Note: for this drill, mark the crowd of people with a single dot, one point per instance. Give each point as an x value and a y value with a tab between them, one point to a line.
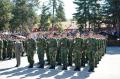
62	49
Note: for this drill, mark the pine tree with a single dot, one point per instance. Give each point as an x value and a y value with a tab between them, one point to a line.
112	12
54	4
44	17
60	14
87	12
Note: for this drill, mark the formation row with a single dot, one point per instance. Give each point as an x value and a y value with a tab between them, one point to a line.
62	50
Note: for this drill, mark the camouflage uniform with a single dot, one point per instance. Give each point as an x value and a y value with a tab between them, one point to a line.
1	48
91	54
25	47
24	50
31	47
13	50
58	58
100	49
64	43
10	48
47	54
4	49
96	52
70	52
105	45
52	48
41	47
77	52
84	58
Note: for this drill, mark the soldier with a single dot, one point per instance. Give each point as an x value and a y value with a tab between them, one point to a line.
84	50
100	49
97	52
84	57
77	52
70	51
58	51
64	43
41	47
18	50
91	53
31	47
4	49
52	45
47	50
105	45
10	48
1	48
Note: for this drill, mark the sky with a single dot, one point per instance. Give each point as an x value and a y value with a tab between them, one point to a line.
69	8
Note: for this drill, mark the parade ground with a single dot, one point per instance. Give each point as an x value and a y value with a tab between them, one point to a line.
108	68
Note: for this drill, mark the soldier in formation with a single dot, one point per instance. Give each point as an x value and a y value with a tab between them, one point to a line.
41	47
60	49
30	50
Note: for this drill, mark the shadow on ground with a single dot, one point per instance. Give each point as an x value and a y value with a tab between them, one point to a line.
24	72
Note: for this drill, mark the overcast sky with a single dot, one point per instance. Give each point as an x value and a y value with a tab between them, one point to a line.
69	8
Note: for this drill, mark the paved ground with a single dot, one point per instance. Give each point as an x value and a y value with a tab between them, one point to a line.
109	68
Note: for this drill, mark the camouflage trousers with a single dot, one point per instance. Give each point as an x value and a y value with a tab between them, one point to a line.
64	57
41	52
91	60
77	57
52	55
1	54
30	55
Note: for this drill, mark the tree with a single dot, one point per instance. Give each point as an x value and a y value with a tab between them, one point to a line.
112	11
54	4
24	14
44	17
60	14
5	13
82	13
87	12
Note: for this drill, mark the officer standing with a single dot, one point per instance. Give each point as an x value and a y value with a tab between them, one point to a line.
18	50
